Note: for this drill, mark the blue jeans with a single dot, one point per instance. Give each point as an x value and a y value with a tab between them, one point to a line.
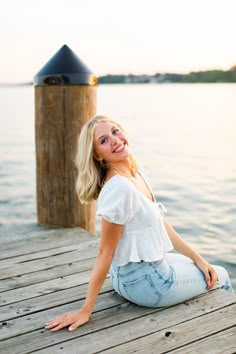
163	283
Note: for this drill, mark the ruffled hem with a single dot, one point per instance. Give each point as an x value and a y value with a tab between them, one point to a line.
147	245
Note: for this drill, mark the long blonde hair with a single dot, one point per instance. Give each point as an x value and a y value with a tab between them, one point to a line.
91	173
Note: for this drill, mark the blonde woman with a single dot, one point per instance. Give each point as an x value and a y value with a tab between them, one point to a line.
136	240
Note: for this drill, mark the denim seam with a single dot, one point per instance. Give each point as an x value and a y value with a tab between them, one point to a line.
188	281
118	280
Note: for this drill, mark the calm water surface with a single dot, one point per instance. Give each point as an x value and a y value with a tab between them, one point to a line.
185	136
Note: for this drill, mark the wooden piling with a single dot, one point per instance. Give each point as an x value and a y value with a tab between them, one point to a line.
65	98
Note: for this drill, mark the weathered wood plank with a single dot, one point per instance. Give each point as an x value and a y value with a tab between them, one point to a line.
49	262
13	261
180	334
13	328
100	320
129	321
47	274
223	342
44	239
47	301
11	296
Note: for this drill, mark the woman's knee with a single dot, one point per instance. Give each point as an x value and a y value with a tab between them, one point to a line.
223	278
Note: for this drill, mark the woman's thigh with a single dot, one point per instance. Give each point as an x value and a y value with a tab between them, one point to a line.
189	281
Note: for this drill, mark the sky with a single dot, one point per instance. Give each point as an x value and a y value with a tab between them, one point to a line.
117	37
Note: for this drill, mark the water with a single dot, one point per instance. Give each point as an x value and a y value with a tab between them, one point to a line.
185	136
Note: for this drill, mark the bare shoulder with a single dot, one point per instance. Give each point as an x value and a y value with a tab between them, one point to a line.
117	181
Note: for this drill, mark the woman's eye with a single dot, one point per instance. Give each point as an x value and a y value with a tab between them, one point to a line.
115	131
103	140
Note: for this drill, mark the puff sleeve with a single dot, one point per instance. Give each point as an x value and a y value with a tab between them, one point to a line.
116	201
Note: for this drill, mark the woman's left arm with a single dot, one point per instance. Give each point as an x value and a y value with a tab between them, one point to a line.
182	247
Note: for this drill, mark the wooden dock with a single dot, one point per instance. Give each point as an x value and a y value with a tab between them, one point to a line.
46	275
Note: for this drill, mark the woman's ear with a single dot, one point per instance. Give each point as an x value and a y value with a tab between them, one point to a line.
99	159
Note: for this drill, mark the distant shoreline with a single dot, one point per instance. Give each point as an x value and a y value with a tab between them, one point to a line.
16	84
209	76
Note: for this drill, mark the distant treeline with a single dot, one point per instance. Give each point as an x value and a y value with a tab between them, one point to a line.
209	76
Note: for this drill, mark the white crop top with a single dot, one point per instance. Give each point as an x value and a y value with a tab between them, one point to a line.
144	237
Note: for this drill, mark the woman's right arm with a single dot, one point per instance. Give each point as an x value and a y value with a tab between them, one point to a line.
182	247
110	235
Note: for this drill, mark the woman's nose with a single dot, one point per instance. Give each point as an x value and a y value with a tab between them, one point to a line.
114	140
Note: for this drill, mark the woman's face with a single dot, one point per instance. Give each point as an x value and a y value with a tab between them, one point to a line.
110	143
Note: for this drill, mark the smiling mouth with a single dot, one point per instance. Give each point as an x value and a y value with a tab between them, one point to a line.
119	148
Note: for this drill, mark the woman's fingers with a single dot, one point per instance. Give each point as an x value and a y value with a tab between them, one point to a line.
209	272
74	320
213	278
57	328
76	325
57	323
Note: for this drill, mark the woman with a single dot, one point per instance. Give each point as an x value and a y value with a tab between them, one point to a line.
135	236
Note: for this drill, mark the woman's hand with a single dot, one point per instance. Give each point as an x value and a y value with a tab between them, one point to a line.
182	247
73	320
209	272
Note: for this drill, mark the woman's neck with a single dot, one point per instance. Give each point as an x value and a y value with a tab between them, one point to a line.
122	169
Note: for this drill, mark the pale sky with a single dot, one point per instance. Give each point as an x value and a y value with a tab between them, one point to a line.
124	36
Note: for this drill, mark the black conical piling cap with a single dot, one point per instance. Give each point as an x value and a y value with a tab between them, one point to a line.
65	68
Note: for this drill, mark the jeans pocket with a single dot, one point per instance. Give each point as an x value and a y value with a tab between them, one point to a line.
142	291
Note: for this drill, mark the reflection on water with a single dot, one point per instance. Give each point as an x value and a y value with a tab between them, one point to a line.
183	134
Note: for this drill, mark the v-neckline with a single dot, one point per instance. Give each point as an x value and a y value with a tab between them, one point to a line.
153	201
